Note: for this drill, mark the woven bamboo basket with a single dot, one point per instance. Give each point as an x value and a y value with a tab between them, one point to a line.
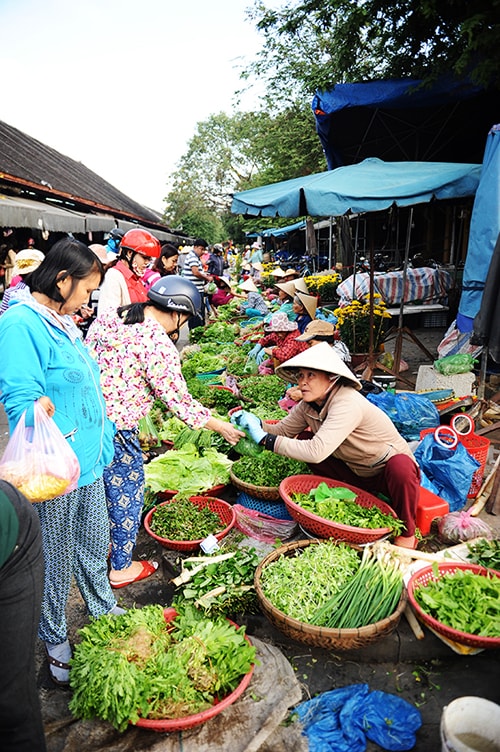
340	639
266	493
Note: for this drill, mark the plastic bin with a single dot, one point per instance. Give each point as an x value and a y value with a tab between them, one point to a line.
429	507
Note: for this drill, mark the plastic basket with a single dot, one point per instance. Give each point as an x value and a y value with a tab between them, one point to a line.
178	724
423	576
168	493
327	528
222	509
275	509
478	447
339	639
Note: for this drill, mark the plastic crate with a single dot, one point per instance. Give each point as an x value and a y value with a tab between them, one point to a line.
275	509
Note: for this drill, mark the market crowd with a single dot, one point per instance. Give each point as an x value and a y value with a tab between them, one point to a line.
89	333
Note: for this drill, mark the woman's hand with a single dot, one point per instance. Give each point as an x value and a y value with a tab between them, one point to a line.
47	405
294	393
228	432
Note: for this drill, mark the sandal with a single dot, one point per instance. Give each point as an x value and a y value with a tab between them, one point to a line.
147	569
57	664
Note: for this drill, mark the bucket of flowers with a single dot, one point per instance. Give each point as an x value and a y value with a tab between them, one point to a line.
324	285
353	324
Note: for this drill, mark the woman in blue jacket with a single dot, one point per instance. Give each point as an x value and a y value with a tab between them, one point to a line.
44	359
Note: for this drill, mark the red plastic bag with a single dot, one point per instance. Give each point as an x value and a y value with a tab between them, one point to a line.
38	460
262	526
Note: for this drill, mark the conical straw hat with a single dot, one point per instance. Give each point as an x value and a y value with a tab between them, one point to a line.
320	357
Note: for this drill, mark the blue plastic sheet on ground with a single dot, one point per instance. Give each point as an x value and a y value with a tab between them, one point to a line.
446	472
410	412
342	720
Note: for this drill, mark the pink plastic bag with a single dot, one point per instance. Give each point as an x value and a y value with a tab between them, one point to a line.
38	460
458	527
262	526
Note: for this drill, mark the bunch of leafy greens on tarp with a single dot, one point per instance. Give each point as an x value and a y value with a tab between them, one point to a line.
132	666
186	471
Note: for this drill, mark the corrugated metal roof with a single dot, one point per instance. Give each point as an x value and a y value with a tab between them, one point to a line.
40	166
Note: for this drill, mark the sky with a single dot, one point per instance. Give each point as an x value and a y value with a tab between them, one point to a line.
120	85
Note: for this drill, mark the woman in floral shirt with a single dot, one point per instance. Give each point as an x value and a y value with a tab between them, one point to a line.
140	363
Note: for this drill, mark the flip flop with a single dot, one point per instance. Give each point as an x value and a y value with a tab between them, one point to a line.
148	568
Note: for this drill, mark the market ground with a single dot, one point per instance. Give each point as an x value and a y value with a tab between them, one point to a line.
425	672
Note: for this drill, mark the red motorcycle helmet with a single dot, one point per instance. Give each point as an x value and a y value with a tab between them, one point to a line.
141	241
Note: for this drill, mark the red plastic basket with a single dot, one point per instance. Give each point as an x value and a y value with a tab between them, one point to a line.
222	509
427	574
189	721
327	528
478	447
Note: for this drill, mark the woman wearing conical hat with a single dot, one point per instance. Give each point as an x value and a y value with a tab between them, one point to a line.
352	440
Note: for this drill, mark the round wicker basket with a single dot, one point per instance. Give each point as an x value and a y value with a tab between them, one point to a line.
327	528
340	639
267	493
222	509
423	576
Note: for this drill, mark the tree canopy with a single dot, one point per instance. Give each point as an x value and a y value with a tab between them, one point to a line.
315	44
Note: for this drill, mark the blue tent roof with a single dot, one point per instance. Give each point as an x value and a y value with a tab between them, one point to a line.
372	185
278	231
403	120
484	230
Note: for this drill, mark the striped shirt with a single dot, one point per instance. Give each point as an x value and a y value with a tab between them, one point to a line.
193	260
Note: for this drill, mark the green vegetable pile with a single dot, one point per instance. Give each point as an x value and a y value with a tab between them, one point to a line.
221	400
180	519
486	553
268	469
463	600
218	332
131	666
262	390
201	362
184	470
370	595
221	584
338	505
299	584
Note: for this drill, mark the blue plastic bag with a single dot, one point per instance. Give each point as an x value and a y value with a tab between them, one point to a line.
446	472
343	719
410	412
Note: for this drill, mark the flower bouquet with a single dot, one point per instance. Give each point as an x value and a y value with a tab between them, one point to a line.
353	323
323	285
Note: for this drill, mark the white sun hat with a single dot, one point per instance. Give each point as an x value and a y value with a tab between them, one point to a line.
248	286
320	357
309	302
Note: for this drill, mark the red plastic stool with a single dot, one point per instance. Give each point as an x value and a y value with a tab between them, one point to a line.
429	507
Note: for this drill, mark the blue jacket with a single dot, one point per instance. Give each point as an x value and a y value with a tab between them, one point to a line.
42	357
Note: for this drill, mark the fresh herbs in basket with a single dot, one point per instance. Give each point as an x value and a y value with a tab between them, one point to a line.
486	553
222	584
299	584
338	505
267	470
463	600
136	666
180	519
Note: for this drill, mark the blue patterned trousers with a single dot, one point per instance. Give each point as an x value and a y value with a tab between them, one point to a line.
75	533
124	483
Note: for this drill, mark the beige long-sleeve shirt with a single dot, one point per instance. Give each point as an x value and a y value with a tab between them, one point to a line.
348	426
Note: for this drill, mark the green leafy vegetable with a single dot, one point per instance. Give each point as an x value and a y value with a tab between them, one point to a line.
132	666
463	600
486	553
268	469
180	519
299	584
185	471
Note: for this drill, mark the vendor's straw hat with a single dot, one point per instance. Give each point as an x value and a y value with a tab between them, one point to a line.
225	281
248	286
321	357
315	329
290	272
279	322
257	265
27	261
287	287
279	272
309	302
300	285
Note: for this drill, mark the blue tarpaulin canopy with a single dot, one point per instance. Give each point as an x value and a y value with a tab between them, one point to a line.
484	230
403	120
372	185
276	232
